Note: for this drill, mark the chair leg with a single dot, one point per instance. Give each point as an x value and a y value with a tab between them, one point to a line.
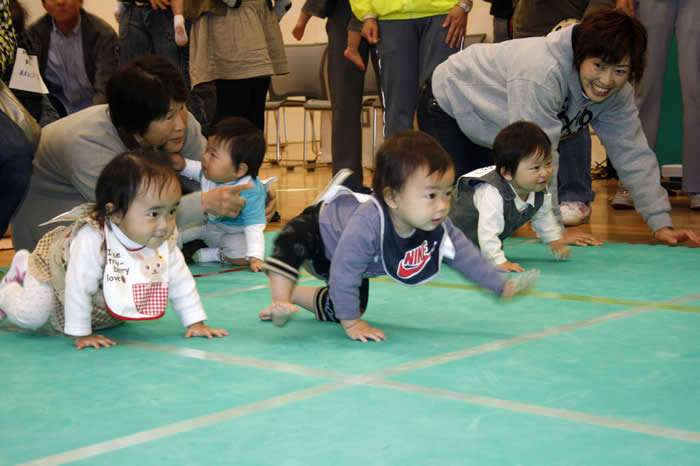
277	121
304	135
284	117
314	143
374	132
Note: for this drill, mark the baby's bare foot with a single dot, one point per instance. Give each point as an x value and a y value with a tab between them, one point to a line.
180	31
354	56
279	313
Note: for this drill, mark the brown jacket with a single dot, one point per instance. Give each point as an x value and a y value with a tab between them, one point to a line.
196	8
538	17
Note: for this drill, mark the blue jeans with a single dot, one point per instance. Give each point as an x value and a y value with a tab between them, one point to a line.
574	174
145	30
15	167
408	52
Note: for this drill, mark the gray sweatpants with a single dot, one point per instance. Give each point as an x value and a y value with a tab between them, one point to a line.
661	18
408	50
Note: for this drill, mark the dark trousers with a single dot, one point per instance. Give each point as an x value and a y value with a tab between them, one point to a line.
242	97
346	82
15	168
465	154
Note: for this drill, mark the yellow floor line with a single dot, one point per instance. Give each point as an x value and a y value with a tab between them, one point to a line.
569	297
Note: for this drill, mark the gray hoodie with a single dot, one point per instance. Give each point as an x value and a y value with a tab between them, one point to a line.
488	86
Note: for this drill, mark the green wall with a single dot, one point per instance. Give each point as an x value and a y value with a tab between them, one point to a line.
669	142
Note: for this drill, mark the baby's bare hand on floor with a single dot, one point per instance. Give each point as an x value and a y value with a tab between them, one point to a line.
361	330
256	265
94	340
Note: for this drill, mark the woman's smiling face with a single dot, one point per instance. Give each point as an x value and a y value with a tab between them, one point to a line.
601	80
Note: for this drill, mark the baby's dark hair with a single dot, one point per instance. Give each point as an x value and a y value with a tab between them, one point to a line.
517	141
404	153
247	142
126	175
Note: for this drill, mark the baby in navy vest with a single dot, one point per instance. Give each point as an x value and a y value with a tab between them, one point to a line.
401	231
493	202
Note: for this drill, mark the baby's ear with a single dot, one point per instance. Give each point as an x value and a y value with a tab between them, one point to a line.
242	169
389	197
506	174
114	217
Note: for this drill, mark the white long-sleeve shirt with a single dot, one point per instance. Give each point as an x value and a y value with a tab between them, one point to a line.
489	203
86	269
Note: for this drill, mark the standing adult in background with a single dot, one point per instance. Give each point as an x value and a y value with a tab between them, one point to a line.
39	105
571	78
148	27
146	108
15	150
238	45
412	39
345	82
502	12
8	41
662	18
534	18
77	51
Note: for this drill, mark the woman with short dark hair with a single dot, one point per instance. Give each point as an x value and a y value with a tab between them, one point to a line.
146	108
562	82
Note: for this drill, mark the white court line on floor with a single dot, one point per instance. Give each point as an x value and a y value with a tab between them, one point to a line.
183	426
538	410
377	379
250	288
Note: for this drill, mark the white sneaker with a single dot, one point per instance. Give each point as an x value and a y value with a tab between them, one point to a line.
622	199
207	255
694	201
574	213
342	175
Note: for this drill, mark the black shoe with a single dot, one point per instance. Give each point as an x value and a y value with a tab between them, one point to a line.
364	190
188	249
355	184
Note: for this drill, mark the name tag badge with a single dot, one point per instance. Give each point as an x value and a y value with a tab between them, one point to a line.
26	75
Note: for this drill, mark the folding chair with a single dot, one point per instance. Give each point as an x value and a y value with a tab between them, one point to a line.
305	81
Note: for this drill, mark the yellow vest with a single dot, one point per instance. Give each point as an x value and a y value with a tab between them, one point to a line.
401	9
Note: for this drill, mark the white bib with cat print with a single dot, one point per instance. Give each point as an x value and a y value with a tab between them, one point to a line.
135	281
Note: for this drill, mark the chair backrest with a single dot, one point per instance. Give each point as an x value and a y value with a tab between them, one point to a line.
305	78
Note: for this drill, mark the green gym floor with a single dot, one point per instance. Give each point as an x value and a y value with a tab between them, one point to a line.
600	365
